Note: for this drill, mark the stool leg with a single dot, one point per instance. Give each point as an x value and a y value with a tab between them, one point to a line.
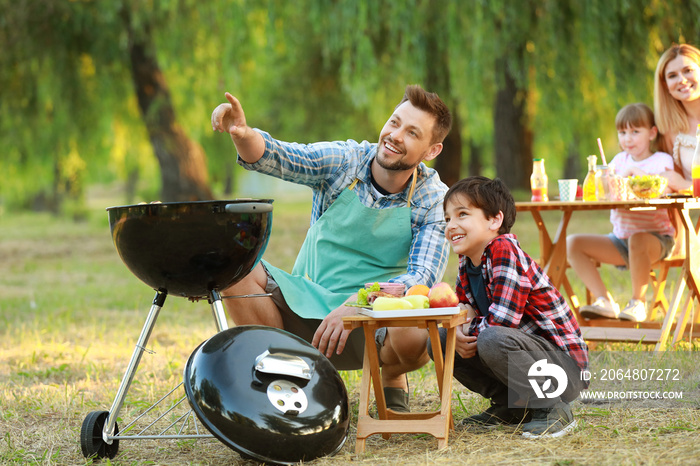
437	352
440	366
363	409
658	283
446	395
371	351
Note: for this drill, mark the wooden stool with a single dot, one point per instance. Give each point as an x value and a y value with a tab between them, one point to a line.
436	423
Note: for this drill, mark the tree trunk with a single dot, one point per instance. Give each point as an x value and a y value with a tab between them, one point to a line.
513	137
182	161
475	163
572	167
448	164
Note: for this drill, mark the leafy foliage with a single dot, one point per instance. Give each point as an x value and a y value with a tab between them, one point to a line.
310	70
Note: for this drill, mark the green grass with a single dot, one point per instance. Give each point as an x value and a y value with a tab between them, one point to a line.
70	313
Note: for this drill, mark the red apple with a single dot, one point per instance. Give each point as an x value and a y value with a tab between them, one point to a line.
441	295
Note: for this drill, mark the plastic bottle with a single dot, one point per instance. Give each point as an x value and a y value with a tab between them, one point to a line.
589	181
618	185
538	181
696	165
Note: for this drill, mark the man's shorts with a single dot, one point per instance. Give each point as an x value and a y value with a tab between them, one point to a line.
622	245
353	354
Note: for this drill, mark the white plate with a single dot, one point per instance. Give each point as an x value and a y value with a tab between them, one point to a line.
431	311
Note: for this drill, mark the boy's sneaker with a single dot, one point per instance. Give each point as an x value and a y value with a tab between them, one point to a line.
498	415
550	422
602	307
635	311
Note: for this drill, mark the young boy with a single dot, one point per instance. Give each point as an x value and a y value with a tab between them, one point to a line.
521	328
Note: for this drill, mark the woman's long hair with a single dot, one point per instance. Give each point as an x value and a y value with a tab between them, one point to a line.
670	114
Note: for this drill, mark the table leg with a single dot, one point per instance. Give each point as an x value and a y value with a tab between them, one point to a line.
555	268
573	299
683	319
689	276
692	253
545	240
553	257
673	306
553	253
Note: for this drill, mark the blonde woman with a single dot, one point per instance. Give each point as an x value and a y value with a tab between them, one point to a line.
677	109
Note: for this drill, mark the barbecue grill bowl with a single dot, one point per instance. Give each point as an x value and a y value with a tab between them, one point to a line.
268	394
191	248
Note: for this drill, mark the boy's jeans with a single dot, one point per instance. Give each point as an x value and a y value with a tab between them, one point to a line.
487	373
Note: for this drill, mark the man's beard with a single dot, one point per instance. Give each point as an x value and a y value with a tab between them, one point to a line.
398	165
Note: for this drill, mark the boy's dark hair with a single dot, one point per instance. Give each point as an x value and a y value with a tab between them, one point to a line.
491	196
431	103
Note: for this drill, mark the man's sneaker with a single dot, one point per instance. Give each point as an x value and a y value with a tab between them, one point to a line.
550	422
396	399
602	307
498	415
635	311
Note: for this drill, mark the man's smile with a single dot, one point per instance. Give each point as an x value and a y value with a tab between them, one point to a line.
391	147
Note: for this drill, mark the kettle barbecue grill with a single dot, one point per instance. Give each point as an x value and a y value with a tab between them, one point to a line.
188	249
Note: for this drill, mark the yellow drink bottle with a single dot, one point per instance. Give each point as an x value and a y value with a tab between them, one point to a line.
696	180
538	181
695	170
589	181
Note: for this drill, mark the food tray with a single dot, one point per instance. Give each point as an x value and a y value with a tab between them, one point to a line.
431	311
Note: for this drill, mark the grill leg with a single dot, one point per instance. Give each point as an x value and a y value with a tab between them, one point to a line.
158	302
217	308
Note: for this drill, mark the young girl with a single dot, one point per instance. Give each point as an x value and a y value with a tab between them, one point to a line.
639	238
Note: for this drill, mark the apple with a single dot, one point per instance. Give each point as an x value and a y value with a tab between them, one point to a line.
441	295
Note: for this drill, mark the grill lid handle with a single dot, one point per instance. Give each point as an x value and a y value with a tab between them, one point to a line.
248	208
282	364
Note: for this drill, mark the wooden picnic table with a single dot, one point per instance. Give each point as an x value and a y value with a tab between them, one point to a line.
553	260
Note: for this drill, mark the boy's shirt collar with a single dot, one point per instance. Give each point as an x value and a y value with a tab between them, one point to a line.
483	254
